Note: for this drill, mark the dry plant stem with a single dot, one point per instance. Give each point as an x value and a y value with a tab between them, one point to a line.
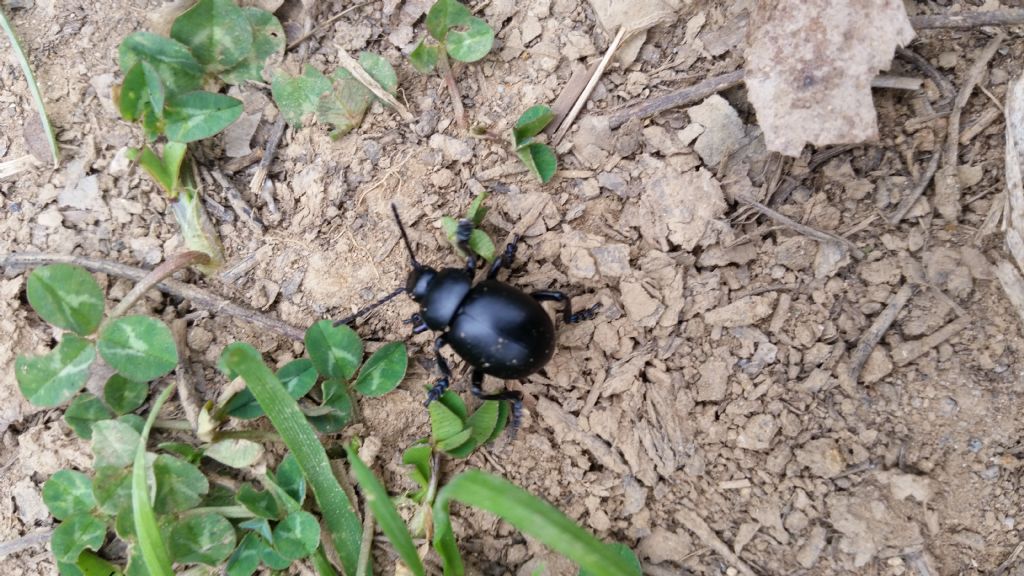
260	176
585	95
200	298
323	25
681	97
569	95
179	261
238	204
354	68
453	90
27	541
366	547
969	20
814	233
907	352
878	328
941	82
20	164
186	386
999	571
910	199
698	526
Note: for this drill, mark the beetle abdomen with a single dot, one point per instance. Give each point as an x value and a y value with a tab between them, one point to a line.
502	331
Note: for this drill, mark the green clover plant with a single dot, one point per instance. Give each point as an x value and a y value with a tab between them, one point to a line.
455	32
479	241
538	157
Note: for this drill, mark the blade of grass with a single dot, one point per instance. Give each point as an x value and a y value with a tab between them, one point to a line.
154	550
32	86
529	514
338	512
384	510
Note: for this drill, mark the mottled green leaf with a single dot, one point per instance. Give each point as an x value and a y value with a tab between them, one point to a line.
113	443
246	558
178	68
336	351
445	14
424	57
260	503
76	534
267	40
540	159
124	395
297	536
84	411
52	379
179	485
298	96
383	371
298	377
482	423
113	488
66	296
206	538
68	493
196	115
140	348
217	32
235	452
531	123
471	44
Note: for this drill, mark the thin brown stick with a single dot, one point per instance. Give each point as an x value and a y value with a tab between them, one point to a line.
910	199
238	204
878	328
819	235
176	262
1011	17
199	297
698	526
323	25
186	384
453	91
680	97
563	128
941	82
29	540
356	69
947	184
260	176
907	352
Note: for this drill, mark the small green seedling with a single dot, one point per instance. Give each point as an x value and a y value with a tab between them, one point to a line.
335	356
213	43
456	33
479	241
340	100
537	156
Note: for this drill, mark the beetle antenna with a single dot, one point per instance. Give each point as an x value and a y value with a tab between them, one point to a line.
365	309
408	245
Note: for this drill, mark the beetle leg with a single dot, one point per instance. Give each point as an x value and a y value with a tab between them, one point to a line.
442	384
462	233
418	325
513	396
505	260
568	316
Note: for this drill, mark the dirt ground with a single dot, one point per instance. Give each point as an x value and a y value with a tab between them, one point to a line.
704	405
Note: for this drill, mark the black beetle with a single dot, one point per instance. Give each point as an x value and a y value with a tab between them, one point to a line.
497	328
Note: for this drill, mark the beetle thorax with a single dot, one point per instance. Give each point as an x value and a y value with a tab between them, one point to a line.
443	295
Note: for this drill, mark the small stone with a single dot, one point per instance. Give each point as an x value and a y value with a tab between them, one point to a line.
743	312
662	140
948	59
723	129
714	381
640	306
690	133
612	259
878	366
821	457
796	253
758	432
612	181
664	546
812	548
452	148
970	175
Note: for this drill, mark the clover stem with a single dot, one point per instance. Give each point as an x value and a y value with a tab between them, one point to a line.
453	89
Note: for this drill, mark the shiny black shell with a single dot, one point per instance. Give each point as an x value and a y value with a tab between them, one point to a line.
502	331
448	288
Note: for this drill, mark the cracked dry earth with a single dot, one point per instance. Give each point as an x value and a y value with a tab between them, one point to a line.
704	416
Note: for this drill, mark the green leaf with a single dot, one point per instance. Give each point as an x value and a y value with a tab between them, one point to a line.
154	166
154	88
298	96
235	452
297	536
85	410
150	540
89	564
445	14
477	211
336	351
623	552
206	538
196	115
112	488
52	379
503	412
267	40
540	159
342	522
454	402
482	423
113	443
298	377
336	410
179	485
66	296
217	32
345	106
443	422
260	503
273	559
481	243
76	534
140	348
424	57
246	558
174	157
453	442
530	515
187	452
418	456
383	371
380	70
391	524
289	478
132	94
124	395
531	123
178	69
472	44
68	493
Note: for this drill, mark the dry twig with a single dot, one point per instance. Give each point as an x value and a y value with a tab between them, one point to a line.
814	233
186	385
681	97
176	262
698	526
907	352
199	297
968	20
238	204
27	541
354	68
594	79
453	91
260	176
878	328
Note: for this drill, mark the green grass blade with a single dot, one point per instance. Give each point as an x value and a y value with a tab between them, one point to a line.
385	513
530	515
295	431
32	86
154	549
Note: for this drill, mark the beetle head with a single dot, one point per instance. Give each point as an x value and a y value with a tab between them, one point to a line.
419	282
